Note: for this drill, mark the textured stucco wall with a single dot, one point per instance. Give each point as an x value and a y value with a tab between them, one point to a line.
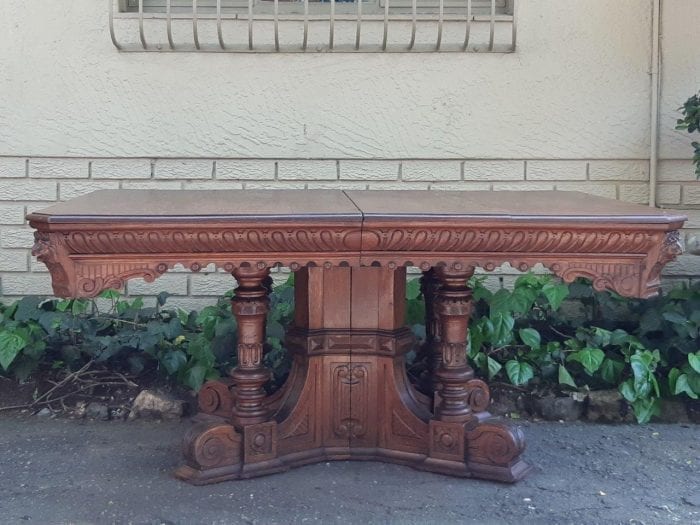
578	87
570	109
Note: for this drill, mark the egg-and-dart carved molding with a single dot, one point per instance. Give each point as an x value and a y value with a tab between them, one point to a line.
85	262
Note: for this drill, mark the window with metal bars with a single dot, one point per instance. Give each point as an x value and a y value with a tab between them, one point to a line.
478	7
314	25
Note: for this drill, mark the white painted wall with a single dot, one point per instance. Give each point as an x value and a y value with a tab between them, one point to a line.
569	109
576	88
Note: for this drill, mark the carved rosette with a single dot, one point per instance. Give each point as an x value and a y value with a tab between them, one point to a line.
446	440
260	442
211	445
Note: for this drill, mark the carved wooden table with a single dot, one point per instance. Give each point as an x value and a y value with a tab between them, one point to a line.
348	396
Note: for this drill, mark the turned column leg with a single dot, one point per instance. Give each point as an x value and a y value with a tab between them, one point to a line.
462	430
250	306
453	306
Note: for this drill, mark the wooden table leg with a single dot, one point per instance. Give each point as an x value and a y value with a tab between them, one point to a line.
462	431
250	306
244	443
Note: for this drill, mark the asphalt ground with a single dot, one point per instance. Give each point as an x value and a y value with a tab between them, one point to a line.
55	471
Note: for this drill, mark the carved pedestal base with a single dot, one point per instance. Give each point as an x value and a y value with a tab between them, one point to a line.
348	397
362	406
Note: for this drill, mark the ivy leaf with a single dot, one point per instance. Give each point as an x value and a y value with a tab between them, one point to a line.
480	361
675	317
649	322
644	409
10	346
555	293
174	361
627	390
79	306
493	366
530	337
194	377
565	377
502	329
500	303
480	292
519	372
522	299
601	336
110	294
619	337
673	378
610	370
28	308
590	358
694	381
694	360
172	329
682	386
162	297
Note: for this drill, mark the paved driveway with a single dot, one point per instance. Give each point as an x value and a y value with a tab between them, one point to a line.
62	471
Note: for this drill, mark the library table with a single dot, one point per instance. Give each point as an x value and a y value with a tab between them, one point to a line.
348	395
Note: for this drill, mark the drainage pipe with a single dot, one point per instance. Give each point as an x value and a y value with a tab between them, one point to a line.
655	96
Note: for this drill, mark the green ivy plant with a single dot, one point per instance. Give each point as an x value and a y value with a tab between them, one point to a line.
691	123
189	347
647	349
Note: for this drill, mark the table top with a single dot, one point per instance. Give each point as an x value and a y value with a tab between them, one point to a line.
311	205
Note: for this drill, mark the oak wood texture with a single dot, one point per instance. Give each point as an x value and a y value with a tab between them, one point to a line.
348	395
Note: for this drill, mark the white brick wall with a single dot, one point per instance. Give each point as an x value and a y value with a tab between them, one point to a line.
419	170
556	170
29	184
493	170
678	183
245	169
13	167
59	168
121	169
369	170
307	170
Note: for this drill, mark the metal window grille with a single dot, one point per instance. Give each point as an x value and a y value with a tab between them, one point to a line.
255	26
